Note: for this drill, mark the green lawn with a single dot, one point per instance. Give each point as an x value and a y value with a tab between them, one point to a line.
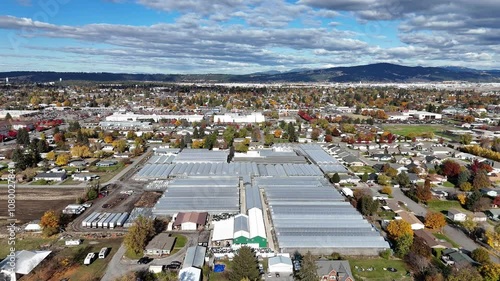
362	169
132	255
404	130
180	242
387	215
70	181
78	254
448	184
444	237
4	182
25	243
42	182
378	273
440	206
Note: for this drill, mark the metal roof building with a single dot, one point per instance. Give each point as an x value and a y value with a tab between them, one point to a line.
195	257
310	215
252	197
199	194
201	156
164	171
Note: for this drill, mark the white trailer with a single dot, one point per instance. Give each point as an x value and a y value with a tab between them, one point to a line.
101	221
123	218
105	224
88	221
112	223
96	220
103	253
89	258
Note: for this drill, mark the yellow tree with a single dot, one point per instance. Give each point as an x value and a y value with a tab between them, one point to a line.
108	139
51	156
493	239
277	133
462	198
50	222
435	220
399	228
81	151
63	159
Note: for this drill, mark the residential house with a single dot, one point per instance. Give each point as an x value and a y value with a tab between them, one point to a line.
411	219
456	215
161	244
50	176
456	258
84	177
338	270
106	163
350	160
348	179
78	163
491	192
381	157
479	217
494	214
430	240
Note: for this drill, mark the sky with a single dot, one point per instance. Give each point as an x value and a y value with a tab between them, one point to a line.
245	36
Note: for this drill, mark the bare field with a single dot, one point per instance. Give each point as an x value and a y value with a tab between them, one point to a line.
31	203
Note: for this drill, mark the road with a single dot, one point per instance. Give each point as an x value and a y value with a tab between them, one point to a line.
119	265
453	233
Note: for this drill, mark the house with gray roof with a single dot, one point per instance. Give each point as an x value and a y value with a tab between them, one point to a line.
338	270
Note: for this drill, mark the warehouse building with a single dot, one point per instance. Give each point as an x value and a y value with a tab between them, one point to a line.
190	221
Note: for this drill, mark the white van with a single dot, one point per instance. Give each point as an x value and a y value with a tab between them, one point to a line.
103	253
89	259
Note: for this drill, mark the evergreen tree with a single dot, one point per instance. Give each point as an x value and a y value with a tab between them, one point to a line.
245	265
365	177
22	137
8	116
308	270
403	180
336	178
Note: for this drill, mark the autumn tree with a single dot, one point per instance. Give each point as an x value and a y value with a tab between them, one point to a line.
386	190
481	255
481	180
466	139
108	139
465	186
464	273
462	198
398	228
383	179
244	266
63	159
120	145
493	239
450	168
50	222
423	192
490	271
434	220
51	156
81	151
139	234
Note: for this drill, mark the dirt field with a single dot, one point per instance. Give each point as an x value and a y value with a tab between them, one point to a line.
31	203
148	199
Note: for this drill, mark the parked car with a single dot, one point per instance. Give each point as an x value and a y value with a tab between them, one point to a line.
144	260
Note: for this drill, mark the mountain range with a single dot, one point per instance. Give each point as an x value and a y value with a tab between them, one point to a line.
380	72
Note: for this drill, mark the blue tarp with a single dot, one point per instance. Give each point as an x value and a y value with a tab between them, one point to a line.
219	268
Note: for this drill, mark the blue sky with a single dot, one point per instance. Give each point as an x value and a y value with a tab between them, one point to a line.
245	36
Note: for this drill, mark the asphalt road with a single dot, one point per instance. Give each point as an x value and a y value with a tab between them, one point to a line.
453	233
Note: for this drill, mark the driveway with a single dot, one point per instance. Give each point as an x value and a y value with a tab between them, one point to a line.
119	266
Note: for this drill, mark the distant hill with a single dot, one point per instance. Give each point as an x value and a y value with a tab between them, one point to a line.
380	72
